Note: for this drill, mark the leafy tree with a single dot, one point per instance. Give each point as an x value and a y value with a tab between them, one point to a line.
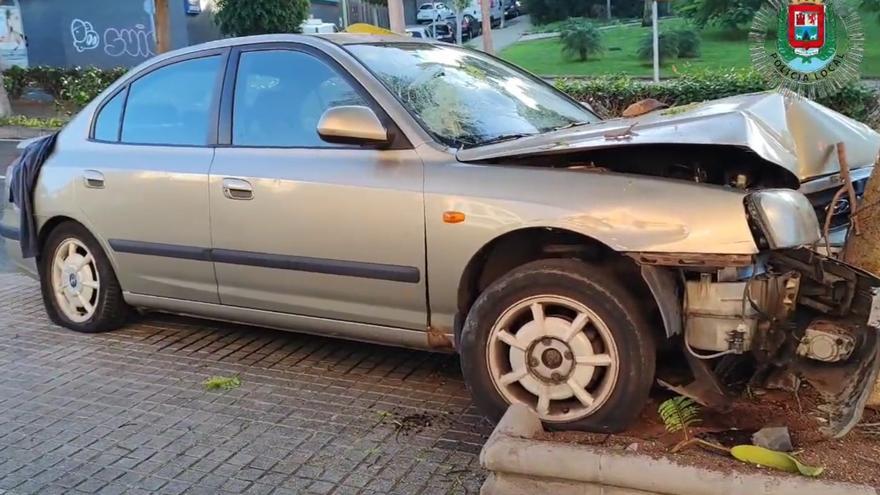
248	17
729	14
580	39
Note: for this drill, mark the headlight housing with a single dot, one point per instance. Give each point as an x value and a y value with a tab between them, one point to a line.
782	218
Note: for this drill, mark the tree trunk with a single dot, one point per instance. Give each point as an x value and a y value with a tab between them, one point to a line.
488	46
395	16
5	106
863	250
646	13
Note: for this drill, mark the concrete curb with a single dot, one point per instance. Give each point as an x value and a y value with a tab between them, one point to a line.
519	464
18	132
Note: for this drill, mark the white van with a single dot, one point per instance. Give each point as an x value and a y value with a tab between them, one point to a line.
316	26
495	8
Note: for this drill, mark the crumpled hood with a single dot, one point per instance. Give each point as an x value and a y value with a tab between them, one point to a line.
791	131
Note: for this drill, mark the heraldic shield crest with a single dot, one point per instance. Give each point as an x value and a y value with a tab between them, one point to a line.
806	26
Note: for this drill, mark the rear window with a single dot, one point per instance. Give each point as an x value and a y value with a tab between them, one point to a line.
426	6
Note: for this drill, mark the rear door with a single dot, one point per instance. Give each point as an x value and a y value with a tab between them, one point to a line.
144	170
307	227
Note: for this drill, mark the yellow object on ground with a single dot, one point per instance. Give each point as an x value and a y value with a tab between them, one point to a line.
364	28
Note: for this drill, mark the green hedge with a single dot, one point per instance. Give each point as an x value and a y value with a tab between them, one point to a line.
612	94
75	85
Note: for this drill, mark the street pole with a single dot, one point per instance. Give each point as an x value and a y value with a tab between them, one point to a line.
162	27
344	5
395	16
488	46
656	41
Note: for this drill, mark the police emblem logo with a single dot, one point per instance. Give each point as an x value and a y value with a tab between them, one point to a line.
817	47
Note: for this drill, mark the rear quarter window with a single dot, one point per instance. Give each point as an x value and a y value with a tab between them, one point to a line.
109	118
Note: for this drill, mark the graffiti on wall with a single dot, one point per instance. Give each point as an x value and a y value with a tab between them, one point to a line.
136	41
13	46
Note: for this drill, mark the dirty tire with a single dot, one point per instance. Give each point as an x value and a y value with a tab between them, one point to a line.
597	289
111	311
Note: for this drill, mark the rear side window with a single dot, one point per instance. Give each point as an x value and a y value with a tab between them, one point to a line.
107	123
280	95
172	105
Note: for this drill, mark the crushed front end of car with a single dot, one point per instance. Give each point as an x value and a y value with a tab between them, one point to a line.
785	310
785	315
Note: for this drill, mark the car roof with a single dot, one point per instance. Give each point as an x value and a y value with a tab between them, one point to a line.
340	39
343	39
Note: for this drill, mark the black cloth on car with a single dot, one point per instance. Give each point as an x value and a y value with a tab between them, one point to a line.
22	180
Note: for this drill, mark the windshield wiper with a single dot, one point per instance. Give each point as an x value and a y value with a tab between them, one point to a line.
504	137
569	126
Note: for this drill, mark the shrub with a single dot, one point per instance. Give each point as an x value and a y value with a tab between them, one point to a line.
580	39
688	40
667	44
83	86
76	85
248	17
610	95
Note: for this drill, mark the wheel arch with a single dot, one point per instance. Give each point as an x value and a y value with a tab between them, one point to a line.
54	221
516	247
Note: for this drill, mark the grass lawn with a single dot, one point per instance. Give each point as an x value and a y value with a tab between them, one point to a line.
545	57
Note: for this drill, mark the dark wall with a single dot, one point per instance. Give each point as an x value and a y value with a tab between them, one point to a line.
103	33
327	12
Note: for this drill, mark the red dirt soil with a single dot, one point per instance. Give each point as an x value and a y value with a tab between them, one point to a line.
854	458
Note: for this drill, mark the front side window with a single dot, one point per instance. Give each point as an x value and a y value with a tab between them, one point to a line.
109	118
280	95
466	98
172	104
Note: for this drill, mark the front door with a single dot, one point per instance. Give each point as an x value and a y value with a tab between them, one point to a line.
303	226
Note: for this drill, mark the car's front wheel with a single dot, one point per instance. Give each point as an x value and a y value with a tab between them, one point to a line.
566	339
80	289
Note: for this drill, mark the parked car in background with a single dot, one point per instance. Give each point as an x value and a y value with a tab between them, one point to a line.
425	195
511	8
433	11
317	26
441	31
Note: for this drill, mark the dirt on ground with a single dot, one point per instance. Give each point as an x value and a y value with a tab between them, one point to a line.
854	458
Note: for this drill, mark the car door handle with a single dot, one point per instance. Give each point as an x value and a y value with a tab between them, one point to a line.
237	189
93	179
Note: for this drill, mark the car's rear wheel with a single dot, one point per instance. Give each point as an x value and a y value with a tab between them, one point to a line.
80	289
564	338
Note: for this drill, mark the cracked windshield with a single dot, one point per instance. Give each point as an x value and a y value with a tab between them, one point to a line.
467	99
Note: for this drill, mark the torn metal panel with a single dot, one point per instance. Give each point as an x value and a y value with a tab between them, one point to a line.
794	133
664	287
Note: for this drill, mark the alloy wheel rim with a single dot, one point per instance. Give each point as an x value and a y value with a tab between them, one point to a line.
75	280
555	355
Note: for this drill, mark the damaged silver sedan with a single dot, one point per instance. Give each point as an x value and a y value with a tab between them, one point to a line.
424	195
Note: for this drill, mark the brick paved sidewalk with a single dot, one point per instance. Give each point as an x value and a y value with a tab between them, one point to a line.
125	412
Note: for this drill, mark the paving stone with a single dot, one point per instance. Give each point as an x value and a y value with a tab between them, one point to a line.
125	412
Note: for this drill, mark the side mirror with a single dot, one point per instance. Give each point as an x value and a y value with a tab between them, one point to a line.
352	125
